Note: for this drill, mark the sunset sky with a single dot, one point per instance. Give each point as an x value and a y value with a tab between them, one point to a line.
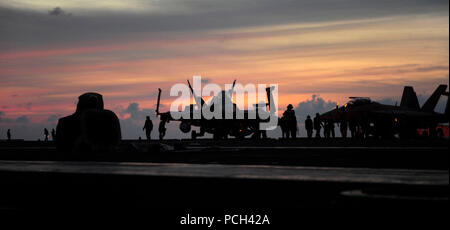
51	51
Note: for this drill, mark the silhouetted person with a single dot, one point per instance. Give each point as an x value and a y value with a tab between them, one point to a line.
291	122
326	130
46	134
8	134
162	129
148	126
343	128
364	125
53	134
317	125
330	129
90	128
309	126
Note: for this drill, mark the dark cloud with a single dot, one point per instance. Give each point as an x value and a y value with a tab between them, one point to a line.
25	27
28	105
137	113
57	11
4	119
1	116
312	106
23	119
53	118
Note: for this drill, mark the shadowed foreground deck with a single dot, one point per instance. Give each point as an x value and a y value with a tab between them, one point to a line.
256	172
409	154
101	185
174	177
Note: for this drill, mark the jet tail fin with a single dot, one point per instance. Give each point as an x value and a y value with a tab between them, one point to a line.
431	103
409	98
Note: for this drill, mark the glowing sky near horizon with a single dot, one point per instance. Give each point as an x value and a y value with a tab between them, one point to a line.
125	50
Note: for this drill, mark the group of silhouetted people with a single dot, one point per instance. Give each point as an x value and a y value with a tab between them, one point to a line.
148	127
328	126
314	127
357	130
317	124
47	134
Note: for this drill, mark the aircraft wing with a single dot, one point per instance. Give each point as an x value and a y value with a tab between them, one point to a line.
334	114
403	113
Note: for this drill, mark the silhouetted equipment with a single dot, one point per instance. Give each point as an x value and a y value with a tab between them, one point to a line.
8	134
90	128
148	126
259	133
366	117
220	128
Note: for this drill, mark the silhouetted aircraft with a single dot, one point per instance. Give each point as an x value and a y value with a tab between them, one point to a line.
377	119
220	128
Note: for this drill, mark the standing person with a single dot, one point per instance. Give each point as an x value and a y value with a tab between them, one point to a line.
309	126
162	129
331	128
46	134
8	134
326	129
317	125
148	126
53	134
291	121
